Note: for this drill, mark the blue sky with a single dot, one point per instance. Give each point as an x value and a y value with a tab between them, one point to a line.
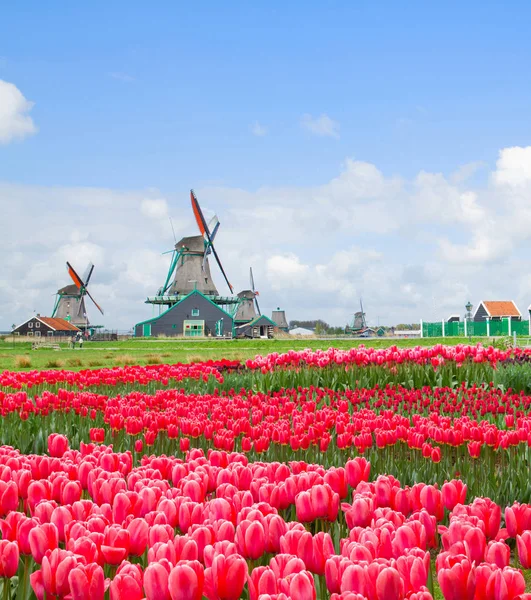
266	100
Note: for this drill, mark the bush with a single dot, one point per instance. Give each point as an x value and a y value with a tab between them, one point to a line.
22	362
55	363
74	362
125	359
154	359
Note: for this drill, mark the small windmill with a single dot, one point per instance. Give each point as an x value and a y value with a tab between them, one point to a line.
70	303
189	269
359	324
248	301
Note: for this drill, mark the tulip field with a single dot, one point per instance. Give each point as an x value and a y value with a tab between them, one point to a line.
355	474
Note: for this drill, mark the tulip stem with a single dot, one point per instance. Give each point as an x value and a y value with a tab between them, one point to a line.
7	588
27	559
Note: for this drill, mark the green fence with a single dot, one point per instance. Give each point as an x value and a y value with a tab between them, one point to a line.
475	328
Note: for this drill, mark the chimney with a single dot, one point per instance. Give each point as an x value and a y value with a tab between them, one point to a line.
38	315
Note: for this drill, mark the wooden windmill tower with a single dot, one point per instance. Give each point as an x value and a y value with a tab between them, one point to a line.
70	302
279	318
359	324
189	269
248	308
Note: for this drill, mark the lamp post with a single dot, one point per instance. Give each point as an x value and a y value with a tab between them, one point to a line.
468	307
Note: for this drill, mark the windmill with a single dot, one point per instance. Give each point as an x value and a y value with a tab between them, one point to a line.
248	301
189	269
359	324
70	303
279	317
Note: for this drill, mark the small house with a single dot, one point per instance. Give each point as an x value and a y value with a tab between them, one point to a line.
193	316
497	310
260	327
39	326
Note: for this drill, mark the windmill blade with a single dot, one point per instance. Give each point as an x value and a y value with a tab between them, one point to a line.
94	301
251	277
198	214
213	226
221	268
209	247
203	228
74	276
88	273
256	302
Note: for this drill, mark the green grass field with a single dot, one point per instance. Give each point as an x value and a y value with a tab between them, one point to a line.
15	355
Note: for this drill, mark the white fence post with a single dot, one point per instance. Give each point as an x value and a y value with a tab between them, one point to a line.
509	325
466	332
488	326
442	323
422	329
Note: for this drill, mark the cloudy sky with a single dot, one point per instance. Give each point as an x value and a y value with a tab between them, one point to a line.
353	149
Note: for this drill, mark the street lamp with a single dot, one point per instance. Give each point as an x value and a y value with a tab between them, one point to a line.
468	307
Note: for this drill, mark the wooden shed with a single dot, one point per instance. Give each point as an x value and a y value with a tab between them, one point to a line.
193	316
260	327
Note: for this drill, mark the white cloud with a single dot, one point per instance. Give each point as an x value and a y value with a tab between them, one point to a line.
322	125
258	130
155	208
15	123
514	167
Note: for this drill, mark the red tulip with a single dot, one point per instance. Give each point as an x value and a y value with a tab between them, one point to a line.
389	585
357	470
56	567
87	582
226	578
186	581
498	553
57	445
505	584
523	544
126	584
41	539
251	540
453	493
299	586
8	497
457	580
9	556
156	578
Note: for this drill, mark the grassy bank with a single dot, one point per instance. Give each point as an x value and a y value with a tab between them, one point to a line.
18	355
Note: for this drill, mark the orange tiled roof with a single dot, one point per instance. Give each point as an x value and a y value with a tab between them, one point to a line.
59	324
501	308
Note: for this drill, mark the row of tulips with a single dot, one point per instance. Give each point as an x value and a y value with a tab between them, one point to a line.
392	355
333	368
479	432
90	524
162	375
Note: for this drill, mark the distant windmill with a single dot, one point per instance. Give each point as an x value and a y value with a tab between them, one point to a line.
70	303
359	324
189	269
248	300
279	317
